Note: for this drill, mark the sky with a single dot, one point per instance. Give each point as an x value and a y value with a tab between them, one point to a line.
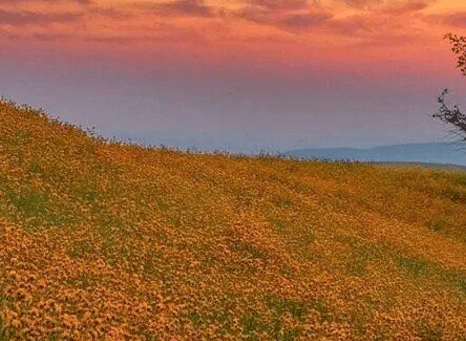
238	75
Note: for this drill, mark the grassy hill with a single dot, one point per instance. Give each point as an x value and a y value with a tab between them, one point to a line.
103	240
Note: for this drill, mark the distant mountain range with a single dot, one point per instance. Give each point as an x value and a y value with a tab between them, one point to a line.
438	153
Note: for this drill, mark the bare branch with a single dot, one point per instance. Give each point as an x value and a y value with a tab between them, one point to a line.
454	117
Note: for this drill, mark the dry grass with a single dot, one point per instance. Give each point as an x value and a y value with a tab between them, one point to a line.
105	240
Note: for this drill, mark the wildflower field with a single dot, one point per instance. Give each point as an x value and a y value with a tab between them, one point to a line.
105	240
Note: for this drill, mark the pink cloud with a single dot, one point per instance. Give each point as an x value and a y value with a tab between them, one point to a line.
280	4
457	19
185	7
304	21
21	19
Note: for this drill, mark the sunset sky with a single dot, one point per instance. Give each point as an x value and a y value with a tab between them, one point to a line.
238	75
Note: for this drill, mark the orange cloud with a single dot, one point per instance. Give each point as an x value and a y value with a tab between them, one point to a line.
359	4
406	8
213	28
256	14
84	2
349	26
111	13
293	21
14	2
173	36
52	37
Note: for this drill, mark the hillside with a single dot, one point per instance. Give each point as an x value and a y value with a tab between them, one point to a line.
101	240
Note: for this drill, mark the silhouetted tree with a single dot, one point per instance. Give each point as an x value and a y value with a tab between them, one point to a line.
454	117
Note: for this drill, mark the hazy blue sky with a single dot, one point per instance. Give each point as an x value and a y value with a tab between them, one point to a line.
242	75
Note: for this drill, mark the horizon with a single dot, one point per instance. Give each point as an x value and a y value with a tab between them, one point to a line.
299	154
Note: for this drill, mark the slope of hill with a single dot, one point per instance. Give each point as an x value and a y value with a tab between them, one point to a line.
101	240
